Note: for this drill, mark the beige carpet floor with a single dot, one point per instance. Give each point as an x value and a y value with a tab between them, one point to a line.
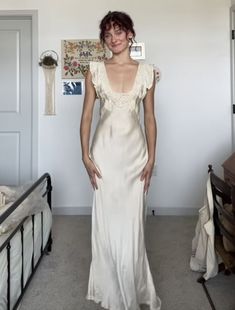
60	282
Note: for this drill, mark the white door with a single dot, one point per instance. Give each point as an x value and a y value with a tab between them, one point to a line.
15	100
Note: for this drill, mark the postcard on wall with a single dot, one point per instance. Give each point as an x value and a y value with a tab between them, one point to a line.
138	51
76	55
72	87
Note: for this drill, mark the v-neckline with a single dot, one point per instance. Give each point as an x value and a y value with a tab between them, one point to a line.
110	86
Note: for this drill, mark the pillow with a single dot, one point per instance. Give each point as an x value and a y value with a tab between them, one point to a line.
33	204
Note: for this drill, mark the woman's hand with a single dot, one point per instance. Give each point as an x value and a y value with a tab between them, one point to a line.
92	172
146	175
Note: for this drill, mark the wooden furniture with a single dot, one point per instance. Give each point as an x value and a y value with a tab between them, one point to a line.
229	169
223	194
224	218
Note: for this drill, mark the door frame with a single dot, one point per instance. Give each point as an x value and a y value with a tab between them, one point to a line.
33	15
232	68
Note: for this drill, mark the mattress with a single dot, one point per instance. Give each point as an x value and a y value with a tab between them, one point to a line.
16	255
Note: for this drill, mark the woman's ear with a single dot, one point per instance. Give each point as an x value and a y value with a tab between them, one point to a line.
129	35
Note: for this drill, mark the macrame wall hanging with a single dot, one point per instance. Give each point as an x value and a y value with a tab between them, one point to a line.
49	62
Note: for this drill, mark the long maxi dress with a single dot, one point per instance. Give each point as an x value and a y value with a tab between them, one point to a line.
120	277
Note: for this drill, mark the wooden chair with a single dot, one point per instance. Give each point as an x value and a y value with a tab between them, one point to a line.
223	194
224	220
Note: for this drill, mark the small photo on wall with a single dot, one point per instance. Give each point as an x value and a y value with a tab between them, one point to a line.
72	88
138	51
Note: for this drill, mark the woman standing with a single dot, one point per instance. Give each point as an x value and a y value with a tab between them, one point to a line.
119	164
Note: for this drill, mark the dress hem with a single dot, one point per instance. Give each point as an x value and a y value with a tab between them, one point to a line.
100	302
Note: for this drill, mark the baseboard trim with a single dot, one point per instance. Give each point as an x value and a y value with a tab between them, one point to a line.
170	211
161	211
71	210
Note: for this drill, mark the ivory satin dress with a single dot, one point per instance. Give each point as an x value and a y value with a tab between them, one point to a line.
120	277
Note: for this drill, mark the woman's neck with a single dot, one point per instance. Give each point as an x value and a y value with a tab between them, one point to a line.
121	58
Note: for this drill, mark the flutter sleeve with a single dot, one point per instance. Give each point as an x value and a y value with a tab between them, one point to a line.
149	78
94	73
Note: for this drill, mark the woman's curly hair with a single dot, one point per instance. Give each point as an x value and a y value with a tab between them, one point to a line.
116	19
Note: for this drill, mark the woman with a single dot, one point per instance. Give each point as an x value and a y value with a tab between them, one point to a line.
119	164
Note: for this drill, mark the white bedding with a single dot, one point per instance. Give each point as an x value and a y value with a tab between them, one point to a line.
16	256
33	204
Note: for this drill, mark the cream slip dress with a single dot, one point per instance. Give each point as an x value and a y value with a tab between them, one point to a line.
120	277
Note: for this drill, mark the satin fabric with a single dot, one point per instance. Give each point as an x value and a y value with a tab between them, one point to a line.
120	277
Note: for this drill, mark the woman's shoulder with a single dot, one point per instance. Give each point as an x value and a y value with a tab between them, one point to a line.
94	66
95	63
148	74
147	69
151	71
148	66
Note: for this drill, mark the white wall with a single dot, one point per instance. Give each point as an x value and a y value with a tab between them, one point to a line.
189	41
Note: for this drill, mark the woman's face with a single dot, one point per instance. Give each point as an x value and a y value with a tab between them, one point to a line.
116	39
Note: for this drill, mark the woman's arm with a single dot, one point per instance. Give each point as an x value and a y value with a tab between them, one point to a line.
85	128
151	135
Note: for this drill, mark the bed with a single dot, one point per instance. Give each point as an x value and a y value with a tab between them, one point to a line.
25	236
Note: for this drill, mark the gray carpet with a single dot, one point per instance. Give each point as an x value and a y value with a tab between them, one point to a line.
222	291
60	282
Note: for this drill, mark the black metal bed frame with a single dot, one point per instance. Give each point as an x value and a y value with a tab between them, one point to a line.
20	227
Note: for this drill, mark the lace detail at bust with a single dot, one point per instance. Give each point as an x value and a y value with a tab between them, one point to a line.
121	100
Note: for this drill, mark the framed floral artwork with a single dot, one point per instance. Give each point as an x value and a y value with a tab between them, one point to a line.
76	55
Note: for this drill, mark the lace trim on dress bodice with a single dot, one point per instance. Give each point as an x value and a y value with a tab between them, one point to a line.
123	100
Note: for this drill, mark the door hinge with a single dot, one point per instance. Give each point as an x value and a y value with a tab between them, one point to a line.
233	108
233	34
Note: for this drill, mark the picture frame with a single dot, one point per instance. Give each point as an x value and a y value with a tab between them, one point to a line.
77	54
138	50
72	88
